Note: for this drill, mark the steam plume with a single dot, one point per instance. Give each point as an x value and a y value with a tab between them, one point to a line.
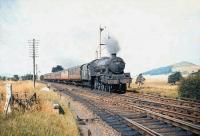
112	45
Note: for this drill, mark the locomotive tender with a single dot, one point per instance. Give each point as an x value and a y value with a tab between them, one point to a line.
106	74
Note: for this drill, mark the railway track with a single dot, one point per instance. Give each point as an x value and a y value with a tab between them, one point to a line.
115	121
177	102
132	107
128	117
185	113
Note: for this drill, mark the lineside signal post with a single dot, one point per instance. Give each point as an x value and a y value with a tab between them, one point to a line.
33	50
100	44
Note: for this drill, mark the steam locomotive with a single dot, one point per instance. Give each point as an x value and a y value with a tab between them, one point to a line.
106	74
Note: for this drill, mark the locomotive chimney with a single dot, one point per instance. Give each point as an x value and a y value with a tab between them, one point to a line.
113	55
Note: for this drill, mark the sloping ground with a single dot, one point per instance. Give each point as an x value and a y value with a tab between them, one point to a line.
184	67
42	120
156	85
186	70
159	71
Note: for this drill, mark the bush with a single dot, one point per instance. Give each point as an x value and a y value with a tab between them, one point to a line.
15	77
190	87
173	78
140	79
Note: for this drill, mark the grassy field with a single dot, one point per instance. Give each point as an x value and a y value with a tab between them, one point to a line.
41	120
158	86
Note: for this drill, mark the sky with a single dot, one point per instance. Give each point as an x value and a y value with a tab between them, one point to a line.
150	33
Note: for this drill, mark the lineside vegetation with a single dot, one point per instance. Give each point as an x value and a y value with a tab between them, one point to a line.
155	86
41	120
187	87
190	87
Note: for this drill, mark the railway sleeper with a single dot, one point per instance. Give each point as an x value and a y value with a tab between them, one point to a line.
127	129
172	114
155	126
180	133
184	110
171	107
157	123
119	126
171	101
114	121
160	128
186	128
143	120
134	116
130	133
103	115
168	129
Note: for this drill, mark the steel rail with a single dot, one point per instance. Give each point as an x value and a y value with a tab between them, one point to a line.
171	100
145	130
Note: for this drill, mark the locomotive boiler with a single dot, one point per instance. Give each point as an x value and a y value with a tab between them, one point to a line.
106	74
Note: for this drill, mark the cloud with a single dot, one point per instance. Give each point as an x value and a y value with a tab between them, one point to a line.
150	34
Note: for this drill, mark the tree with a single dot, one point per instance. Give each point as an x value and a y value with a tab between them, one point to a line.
140	80
195	73
173	78
57	68
27	77
15	77
190	87
4	78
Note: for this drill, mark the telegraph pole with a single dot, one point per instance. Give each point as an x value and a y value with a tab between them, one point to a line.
33	48
100	44
36	67
34	63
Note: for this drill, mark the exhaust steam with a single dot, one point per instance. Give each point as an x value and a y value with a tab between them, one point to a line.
112	45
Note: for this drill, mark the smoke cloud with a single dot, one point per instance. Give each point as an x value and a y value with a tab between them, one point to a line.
112	45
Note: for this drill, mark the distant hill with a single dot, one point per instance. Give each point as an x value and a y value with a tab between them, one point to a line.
184	67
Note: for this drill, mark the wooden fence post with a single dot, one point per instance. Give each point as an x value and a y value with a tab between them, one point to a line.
7	107
1	97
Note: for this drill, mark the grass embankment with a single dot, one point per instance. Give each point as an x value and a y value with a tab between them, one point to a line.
40	121
156	86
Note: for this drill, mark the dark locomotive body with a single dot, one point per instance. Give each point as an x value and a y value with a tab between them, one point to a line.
105	74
